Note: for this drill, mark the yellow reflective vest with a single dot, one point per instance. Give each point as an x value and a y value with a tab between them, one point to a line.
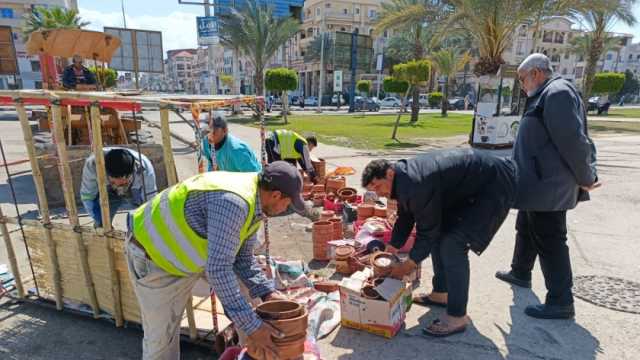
287	140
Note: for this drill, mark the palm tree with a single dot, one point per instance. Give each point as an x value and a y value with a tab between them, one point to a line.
417	18
598	19
256	32
491	25
42	18
449	62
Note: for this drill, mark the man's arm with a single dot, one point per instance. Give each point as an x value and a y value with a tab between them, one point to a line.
68	78
402	228
428	216
250	272
305	160
226	214
565	121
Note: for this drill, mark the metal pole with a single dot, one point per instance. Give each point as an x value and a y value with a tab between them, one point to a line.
354	66
321	79
124	18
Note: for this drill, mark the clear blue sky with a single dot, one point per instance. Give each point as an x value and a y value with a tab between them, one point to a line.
177	22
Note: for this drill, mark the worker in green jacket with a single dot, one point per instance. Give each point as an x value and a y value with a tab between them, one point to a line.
290	146
206	224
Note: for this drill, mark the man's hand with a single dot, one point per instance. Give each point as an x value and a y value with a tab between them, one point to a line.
261	341
390	249
592	187
400	270
276	295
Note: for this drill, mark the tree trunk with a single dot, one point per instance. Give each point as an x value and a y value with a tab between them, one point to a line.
395	127
595	51
445	96
285	106
418	54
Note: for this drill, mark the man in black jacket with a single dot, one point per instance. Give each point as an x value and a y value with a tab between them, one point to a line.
557	164
457	200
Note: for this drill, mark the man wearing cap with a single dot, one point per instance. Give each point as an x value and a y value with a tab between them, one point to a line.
231	153
290	146
206	224
77	74
131	178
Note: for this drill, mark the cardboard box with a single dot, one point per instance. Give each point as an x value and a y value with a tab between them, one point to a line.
380	317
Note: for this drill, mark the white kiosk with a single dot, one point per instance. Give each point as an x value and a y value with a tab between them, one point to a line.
497	113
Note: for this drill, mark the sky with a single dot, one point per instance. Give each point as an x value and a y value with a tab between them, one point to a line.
178	21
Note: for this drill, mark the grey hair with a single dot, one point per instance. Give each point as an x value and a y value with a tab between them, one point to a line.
218	121
536	61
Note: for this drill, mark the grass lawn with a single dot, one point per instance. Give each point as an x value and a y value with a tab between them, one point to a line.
372	131
614	126
623	113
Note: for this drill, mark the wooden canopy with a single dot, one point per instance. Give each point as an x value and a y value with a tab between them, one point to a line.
68	42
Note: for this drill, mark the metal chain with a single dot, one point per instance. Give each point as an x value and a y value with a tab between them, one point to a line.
135	126
263	155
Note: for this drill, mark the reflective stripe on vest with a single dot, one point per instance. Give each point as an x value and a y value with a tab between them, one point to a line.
162	229
287	140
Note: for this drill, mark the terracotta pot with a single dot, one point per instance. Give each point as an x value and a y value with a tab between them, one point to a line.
326	215
347	194
288	349
344	252
318	198
318	188
293	326
327	286
337	228
370	293
279	309
307	187
322	233
380	211
321	168
382	263
365	210
336	183
306	195
355	265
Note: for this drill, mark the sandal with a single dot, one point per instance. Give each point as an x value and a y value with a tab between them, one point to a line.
424	300
438	328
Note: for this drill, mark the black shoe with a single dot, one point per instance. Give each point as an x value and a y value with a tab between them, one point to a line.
508	276
543	311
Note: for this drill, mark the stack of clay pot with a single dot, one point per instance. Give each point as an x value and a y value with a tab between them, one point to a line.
343	254
320	167
365	211
380	211
335	183
291	319
318	194
307	186
322	234
337	228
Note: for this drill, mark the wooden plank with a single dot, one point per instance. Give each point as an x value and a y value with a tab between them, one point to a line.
70	201
13	263
38	181
101	174
169	162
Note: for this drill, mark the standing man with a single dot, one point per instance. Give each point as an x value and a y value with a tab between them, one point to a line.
128	178
76	73
557	164
232	154
288	145
208	224
457	200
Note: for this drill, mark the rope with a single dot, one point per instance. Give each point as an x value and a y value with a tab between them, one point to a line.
135	126
212	147
15	204
263	156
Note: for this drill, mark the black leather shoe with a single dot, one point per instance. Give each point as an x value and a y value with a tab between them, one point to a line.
543	311
508	276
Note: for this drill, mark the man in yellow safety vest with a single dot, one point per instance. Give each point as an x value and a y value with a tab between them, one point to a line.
290	146
208	224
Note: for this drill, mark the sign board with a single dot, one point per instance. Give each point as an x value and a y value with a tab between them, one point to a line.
207	30
8	61
337	81
379	63
140	51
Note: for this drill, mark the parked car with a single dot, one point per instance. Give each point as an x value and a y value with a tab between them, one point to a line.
390	101
595	104
294	99
334	100
365	104
457	103
311	101
423	100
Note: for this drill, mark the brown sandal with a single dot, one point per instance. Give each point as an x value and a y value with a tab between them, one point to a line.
438	328
424	300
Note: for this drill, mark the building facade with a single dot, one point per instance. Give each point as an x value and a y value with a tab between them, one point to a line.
11	15
181	70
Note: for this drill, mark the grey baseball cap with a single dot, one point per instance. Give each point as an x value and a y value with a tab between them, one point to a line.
285	178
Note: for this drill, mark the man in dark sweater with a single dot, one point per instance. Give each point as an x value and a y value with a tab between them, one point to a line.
457	200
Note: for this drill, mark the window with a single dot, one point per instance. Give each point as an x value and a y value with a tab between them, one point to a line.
609	56
386	34
522	31
559	38
555	58
317	11
356	30
519	48
564	71
38	84
547	37
35	66
372	14
345	11
370	32
357	11
343	29
327	5
579	71
6	13
566	55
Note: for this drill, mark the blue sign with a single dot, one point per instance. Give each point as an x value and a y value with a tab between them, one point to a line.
207	30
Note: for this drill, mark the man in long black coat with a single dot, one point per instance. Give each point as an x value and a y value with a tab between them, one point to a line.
457	200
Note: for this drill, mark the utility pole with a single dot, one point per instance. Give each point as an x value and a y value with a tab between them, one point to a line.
124	18
321	80
354	66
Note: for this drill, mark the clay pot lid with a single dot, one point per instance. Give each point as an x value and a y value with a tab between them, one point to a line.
279	309
383	260
344	251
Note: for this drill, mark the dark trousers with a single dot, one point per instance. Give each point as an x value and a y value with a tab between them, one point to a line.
451	271
544	234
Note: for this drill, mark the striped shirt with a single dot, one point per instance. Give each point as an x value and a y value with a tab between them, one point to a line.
218	216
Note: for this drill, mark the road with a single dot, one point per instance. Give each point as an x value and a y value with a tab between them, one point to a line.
603	236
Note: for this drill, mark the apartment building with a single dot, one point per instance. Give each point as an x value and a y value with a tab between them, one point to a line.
181	69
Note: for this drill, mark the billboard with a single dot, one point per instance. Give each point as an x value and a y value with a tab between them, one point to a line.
140	51
337	81
207	30
8	61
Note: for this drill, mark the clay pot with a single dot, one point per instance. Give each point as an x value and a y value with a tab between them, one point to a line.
291	346
335	183
370	293
344	252
306	195
355	265
318	198
326	215
279	309
382	263
337	228
307	187
319	188
321	168
365	211
347	194
322	233
380	211
326	286
291	327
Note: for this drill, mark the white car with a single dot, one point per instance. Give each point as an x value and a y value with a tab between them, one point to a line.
390	102
311	101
